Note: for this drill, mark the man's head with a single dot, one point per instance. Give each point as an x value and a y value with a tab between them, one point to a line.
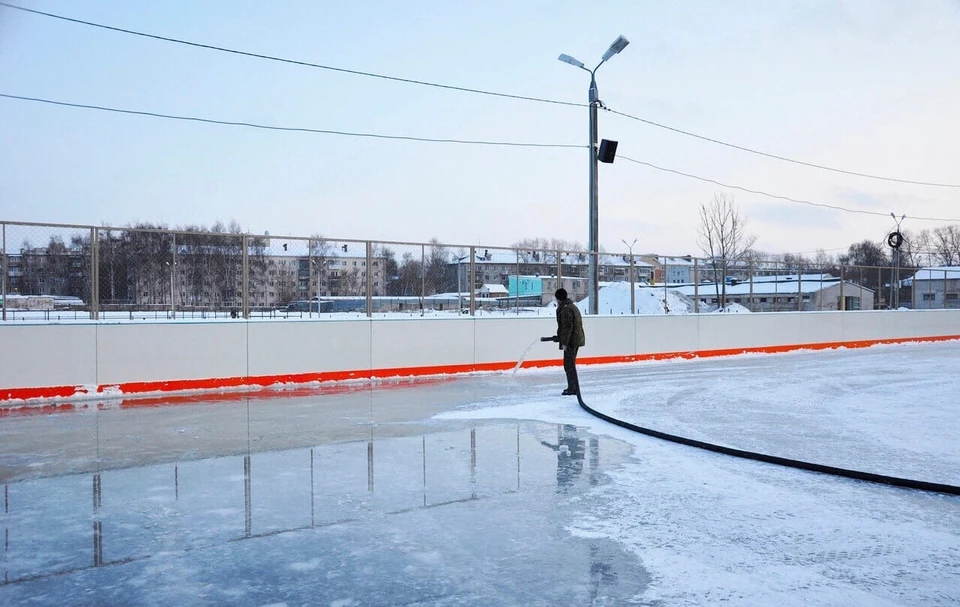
561	294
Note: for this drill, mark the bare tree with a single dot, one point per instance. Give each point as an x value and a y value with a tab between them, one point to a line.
946	244
114	268
437	279
722	236
826	263
320	278
409	275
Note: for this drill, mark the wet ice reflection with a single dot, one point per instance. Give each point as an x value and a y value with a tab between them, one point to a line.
422	509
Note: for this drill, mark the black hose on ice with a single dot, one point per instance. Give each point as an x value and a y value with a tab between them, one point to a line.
780	461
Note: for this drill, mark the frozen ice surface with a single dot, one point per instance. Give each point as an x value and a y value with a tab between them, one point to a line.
495	490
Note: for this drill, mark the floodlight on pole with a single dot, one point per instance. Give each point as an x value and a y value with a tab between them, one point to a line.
618	45
571	61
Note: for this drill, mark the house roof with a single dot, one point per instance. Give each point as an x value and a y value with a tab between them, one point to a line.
671	261
938	273
785	286
494	288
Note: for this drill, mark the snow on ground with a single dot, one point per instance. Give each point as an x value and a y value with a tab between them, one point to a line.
614	299
710	528
732	308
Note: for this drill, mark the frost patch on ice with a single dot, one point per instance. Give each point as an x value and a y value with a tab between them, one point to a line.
311	565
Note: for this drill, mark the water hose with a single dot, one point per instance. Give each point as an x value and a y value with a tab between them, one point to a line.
779	461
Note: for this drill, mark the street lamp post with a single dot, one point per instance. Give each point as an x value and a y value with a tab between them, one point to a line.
618	45
633	288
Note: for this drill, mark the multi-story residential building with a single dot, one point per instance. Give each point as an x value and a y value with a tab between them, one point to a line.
277	279
672	270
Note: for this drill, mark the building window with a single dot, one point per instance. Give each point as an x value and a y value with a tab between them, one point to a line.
929	297
952	296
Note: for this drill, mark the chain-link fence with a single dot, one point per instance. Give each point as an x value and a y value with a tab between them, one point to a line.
62	272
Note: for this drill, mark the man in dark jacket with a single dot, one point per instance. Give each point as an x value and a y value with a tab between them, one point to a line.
571	338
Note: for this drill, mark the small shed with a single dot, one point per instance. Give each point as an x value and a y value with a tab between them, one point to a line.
493	290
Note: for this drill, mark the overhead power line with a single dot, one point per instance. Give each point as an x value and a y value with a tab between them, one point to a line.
291	61
439	140
268	127
470	90
777	196
777	157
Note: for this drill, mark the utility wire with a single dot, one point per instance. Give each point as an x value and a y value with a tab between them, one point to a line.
470	90
443	140
291	61
289	129
783	158
777	196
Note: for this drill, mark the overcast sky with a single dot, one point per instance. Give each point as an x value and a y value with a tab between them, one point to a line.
866	86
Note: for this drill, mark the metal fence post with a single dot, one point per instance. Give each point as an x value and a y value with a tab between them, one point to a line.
750	278
880	282
820	292
173	279
423	275
472	281
369	286
245	282
517	284
666	308
696	285
559	269
94	274
944	289
310	265
913	288
841	305
5	272
776	286
799	287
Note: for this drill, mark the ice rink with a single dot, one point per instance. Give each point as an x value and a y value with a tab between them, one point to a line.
492	489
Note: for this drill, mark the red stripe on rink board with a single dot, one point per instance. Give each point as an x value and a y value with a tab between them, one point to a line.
240	386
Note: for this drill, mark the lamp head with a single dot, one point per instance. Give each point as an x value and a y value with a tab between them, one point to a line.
570	60
618	45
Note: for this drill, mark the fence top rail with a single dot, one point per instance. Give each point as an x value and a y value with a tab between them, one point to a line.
34	224
706	264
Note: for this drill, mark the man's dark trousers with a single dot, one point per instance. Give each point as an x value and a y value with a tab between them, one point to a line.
570	368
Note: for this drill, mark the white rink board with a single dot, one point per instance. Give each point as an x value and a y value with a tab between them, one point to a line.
61	355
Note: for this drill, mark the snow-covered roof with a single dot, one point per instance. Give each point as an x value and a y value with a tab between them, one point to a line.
938	273
770	287
619	261
793	277
675	261
494	288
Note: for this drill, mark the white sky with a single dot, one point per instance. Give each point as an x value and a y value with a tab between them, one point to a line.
863	86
